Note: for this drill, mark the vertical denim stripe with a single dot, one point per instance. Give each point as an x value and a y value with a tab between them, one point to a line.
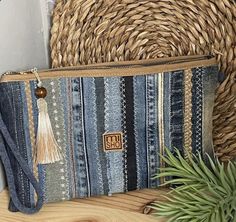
100	103
90	116
34	105
124	130
167	110
161	119
57	188
197	103
140	130
65	86
27	137
113	124
20	137
210	78
20	134
177	105
80	154
13	115
152	128
167	113
131	152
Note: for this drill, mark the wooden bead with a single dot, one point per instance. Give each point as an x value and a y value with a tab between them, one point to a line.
40	92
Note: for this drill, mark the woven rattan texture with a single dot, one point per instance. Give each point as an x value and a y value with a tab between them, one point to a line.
92	31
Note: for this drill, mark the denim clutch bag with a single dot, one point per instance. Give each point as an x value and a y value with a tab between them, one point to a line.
107	123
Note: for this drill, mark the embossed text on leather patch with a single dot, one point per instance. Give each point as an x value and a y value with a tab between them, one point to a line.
113	141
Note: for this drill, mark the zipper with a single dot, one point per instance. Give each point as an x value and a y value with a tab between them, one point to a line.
109	69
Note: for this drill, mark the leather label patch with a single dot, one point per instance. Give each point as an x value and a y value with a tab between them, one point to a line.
113	141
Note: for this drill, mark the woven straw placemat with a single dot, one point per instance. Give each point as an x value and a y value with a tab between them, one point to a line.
92	31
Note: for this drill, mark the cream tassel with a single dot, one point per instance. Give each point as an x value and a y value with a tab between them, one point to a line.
47	150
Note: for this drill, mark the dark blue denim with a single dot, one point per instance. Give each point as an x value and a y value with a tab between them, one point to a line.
13	153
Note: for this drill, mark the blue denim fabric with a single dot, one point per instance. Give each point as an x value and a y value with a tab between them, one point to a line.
90	116
27	138
65	86
100	97
94	106
80	161
113	124
152	136
13	155
177	109
139	128
197	107
12	112
167	113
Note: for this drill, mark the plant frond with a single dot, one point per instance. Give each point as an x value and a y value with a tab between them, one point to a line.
203	194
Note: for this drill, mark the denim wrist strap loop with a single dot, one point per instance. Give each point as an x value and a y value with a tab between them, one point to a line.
5	136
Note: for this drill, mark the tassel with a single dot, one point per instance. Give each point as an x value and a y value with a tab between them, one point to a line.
47	149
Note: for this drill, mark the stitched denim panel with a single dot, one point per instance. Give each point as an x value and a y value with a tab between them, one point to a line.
210	81
27	137
176	109
115	164
152	129
131	151
167	113
167	110
140	130
13	115
80	163
197	107
90	115
100	103
65	86
56	187
124	130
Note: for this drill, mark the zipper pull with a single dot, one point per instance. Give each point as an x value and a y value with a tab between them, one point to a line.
21	72
47	149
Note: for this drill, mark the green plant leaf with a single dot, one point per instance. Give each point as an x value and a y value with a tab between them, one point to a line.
203	194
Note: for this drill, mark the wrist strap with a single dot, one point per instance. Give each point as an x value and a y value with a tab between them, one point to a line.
5	136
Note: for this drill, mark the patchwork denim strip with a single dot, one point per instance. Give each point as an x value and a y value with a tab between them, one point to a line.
166	114
209	81
57	188
152	128
176	110
21	142
12	111
90	110
113	119
80	153
66	89
197	105
65	86
100	103
140	130
124	130
26	120
131	152
160	112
